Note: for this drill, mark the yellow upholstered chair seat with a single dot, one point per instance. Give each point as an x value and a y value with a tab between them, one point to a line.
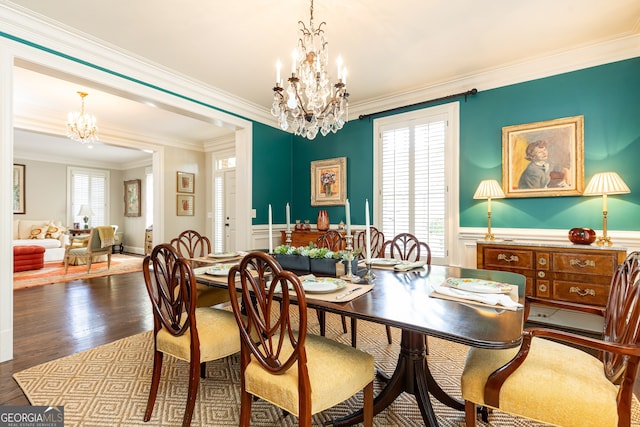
208	296
224	342
325	376
557	373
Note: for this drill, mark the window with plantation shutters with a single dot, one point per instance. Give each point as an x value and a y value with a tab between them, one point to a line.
89	187
412	179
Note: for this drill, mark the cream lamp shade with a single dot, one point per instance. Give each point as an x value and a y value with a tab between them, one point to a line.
605	183
85	212
489	189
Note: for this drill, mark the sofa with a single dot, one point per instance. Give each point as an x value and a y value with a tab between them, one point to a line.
49	234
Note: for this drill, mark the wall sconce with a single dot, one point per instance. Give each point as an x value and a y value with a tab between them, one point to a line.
489	189
603	184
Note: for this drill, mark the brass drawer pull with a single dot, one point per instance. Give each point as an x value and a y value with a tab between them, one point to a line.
586	292
542	288
541	274
512	258
582	264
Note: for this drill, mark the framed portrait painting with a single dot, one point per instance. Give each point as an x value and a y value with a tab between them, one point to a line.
544	159
184	205
19	204
132	197
329	182
185	182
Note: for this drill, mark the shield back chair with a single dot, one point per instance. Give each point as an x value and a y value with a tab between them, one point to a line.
191	244
377	251
551	378
93	246
407	247
377	243
180	329
287	366
333	241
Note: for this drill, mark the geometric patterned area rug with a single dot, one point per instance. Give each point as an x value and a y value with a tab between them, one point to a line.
109	385
53	272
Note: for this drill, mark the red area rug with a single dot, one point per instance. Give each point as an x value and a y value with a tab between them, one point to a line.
53	272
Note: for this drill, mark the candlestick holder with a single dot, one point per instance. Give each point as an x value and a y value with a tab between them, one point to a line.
369	277
288	237
349	249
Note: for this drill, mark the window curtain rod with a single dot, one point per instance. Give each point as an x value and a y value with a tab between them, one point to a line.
455	95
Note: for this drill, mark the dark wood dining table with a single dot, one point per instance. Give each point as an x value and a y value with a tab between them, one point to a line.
402	300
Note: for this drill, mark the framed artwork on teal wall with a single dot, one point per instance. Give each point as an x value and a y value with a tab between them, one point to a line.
544	159
329	182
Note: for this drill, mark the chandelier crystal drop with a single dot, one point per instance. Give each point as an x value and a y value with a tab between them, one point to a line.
81	126
310	103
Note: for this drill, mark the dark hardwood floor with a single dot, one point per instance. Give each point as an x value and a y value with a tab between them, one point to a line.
57	320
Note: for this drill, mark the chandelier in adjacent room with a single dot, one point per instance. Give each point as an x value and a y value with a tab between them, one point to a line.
81	126
310	102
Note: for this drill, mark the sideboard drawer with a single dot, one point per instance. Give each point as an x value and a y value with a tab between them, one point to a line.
582	293
508	258
584	263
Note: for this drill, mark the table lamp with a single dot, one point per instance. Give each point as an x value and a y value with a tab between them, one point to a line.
489	189
603	184
85	211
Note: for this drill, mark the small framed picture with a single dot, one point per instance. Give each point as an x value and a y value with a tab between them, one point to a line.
185	182
19	189
184	205
132	198
329	182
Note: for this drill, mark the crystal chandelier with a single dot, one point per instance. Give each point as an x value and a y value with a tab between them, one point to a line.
81	126
310	102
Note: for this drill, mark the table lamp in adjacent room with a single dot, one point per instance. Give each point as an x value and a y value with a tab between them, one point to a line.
85	211
489	189
605	183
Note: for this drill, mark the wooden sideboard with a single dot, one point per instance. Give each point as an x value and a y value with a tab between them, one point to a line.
575	273
302	238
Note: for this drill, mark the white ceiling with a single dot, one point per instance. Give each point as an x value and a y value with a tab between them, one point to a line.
389	47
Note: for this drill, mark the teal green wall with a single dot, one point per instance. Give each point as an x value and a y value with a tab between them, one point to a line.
607	96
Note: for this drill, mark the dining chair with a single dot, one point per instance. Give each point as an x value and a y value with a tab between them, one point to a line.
554	376
94	245
377	248
301	373
180	328
377	243
331	240
407	247
191	244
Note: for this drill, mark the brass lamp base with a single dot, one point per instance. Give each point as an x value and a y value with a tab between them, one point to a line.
489	236
604	241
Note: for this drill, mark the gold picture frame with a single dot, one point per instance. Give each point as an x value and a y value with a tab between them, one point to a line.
132	197
329	182
185	205
185	182
544	159
19	201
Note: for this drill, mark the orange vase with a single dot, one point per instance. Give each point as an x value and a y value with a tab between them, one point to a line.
323	220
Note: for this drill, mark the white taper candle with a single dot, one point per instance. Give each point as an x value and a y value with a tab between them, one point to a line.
367	242
270	231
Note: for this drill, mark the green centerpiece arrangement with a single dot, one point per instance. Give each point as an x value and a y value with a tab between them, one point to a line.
314	259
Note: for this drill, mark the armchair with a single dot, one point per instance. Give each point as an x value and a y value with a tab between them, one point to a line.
551	378
94	247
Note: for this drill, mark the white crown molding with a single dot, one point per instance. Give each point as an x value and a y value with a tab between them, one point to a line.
534	68
22	23
40	30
